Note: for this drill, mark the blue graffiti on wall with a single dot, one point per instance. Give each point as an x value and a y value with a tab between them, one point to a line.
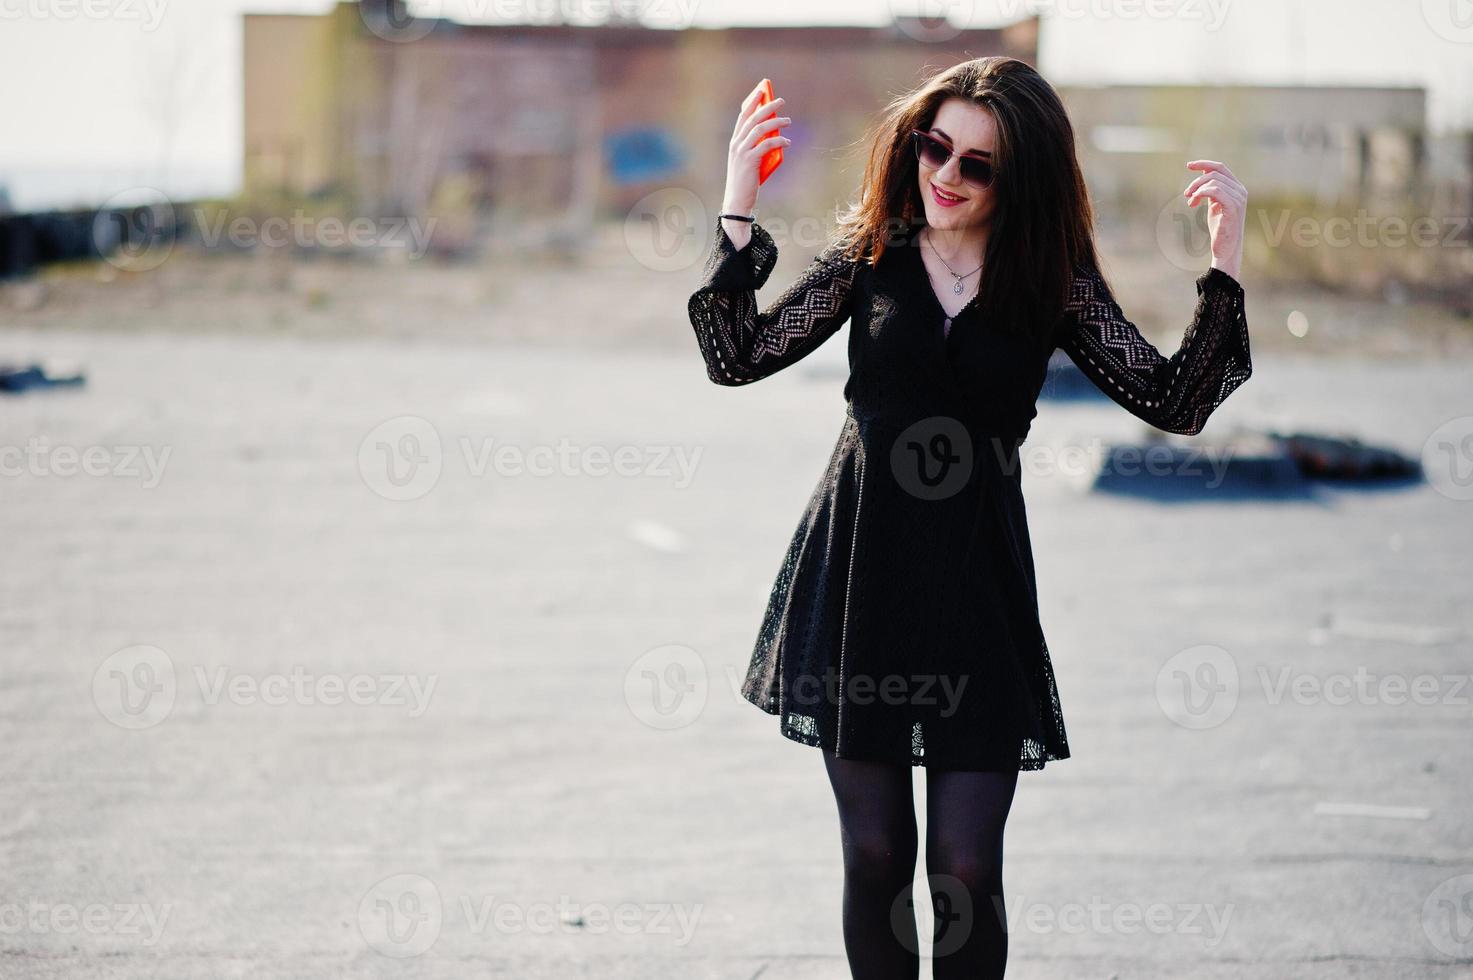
642	153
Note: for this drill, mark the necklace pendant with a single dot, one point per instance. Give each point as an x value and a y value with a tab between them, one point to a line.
957	288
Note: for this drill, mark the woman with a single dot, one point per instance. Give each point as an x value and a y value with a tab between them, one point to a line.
902	628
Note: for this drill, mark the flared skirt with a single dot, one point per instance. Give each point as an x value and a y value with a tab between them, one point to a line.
903	623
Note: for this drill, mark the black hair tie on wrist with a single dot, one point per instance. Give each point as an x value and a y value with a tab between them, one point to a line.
738	217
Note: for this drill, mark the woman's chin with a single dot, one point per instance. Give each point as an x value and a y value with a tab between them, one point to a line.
948	219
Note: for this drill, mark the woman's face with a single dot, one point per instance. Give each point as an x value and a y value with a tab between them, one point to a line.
967	128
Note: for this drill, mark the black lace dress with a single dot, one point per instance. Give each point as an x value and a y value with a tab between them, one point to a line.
903	624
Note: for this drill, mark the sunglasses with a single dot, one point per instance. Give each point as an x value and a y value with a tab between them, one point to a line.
977	172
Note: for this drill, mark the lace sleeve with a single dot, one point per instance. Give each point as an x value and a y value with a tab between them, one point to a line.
741	344
1178	393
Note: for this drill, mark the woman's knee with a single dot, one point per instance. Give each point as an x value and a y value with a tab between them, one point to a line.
979	869
884	854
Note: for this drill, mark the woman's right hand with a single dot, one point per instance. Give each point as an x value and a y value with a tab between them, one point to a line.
745	154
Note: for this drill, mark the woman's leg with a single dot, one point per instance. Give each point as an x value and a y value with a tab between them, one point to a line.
965	814
878	825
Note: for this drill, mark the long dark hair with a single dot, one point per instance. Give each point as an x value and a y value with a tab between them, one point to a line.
1042	222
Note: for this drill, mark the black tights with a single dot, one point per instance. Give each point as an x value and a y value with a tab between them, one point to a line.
965	814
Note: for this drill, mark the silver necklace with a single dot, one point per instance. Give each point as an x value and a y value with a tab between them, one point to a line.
957	286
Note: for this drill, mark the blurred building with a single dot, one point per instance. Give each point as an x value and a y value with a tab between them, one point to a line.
1319	145
551	126
1337	176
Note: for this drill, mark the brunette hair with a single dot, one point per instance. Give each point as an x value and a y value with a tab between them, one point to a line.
1042	222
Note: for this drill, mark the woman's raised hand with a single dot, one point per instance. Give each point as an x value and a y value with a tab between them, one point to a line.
747	149
1227	212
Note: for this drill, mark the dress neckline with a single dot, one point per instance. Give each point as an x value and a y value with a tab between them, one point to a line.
923	278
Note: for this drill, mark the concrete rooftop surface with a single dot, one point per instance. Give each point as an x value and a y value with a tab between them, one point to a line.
375	658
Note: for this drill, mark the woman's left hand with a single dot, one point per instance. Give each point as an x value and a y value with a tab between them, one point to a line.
1227	212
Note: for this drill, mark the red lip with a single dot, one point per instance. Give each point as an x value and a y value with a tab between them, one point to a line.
945	203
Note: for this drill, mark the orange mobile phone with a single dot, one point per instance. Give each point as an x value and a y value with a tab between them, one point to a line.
773	158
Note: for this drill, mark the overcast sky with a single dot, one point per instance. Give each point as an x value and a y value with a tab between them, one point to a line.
92	101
